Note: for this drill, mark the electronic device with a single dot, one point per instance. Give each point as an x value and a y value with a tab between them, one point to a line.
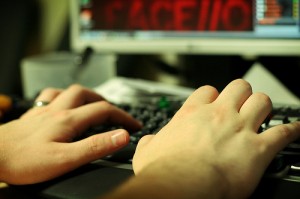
227	27
156	112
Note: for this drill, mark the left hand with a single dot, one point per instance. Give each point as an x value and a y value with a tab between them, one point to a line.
38	146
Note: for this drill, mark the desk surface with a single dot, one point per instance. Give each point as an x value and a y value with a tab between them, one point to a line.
88	182
271	189
7	192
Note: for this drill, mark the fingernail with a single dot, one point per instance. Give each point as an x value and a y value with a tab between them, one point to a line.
119	138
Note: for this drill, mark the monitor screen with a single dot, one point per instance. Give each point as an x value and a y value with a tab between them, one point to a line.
234	27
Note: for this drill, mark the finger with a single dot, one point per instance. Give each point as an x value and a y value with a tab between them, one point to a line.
75	96
102	112
65	157
280	136
235	94
48	94
203	95
255	110
94	147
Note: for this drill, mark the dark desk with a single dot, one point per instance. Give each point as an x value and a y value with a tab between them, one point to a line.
7	192
87	182
92	181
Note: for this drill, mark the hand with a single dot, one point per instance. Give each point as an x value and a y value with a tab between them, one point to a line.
211	147
39	147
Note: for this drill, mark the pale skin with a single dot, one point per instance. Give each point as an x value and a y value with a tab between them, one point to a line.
210	149
37	147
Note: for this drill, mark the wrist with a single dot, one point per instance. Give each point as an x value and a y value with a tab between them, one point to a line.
169	180
202	182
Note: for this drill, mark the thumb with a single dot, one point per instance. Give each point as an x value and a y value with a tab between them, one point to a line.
139	155
144	141
98	146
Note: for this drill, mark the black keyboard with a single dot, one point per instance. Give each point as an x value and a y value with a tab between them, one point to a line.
153	114
156	114
287	161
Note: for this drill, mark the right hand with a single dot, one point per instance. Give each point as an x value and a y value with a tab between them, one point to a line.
211	146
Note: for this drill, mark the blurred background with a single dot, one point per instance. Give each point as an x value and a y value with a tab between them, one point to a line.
35	27
29	27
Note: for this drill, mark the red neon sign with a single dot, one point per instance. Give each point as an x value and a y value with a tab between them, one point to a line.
173	15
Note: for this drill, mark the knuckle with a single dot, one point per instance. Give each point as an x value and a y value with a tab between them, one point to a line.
64	113
106	106
49	90
98	146
145	139
241	82
285	132
208	90
63	116
264	98
76	88
185	110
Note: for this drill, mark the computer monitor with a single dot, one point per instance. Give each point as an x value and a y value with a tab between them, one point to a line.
225	27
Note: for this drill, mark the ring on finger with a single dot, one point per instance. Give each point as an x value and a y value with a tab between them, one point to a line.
40	103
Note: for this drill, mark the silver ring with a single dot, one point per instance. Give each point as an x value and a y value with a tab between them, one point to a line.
40	104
